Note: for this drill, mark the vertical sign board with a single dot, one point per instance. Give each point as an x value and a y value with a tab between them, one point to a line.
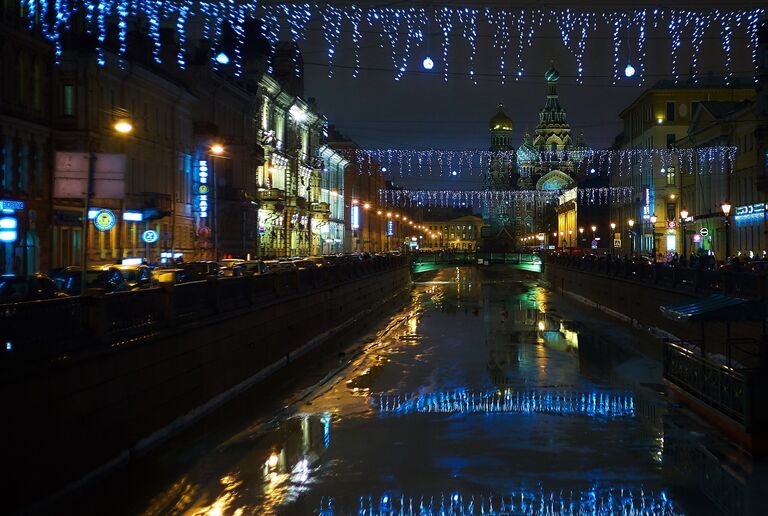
203	187
70	180
355	219
390	228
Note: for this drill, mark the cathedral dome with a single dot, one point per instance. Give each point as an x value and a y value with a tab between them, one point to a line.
500	121
552	75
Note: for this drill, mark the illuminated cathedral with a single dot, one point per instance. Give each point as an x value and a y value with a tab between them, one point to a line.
546	161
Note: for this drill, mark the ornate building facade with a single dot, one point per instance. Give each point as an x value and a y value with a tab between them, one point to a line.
497	231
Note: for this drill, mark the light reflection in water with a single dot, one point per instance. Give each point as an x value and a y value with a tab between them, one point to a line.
537	401
596	501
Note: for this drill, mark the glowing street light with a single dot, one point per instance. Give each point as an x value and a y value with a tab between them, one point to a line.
123	126
217	149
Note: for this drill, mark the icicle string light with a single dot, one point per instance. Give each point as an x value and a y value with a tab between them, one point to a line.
456	198
402	29
405	162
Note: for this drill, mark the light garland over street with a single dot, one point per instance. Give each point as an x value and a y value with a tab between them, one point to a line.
406	32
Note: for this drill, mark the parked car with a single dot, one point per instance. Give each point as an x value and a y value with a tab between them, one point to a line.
197	271
229	262
280	266
137	276
15	289
319	261
232	271
166	277
255	267
304	264
106	279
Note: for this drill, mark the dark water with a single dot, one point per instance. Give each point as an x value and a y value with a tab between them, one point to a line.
470	402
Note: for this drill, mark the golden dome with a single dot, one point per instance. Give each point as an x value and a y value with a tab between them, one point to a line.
500	121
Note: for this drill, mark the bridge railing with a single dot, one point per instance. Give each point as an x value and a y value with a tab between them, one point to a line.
734	391
747	285
48	330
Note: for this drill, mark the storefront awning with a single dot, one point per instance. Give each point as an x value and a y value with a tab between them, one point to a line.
715	308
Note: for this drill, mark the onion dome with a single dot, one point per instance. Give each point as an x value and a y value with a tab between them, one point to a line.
552	75
500	121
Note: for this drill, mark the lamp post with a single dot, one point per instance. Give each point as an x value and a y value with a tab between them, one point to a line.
726	207
683	217
653	220
570	239
631	223
594	229
581	237
124	127
613	232
217	151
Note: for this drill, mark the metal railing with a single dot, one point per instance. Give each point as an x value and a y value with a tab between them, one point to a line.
462	257
724	388
746	285
49	330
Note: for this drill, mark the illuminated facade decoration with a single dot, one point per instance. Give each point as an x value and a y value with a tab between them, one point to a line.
659	121
293	218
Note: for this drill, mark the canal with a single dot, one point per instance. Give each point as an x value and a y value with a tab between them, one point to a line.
478	397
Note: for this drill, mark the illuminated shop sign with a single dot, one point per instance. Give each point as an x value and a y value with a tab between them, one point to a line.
750	212
390	227
104	220
150	236
11	205
647	202
8	229
202	188
355	217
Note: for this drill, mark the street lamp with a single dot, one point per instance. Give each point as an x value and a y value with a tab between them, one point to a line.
217	149
653	220
123	126
631	223
726	207
570	239
683	218
581	237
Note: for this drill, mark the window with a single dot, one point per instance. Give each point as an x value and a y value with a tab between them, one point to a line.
671	177
670	111
671	211
670	141
68	100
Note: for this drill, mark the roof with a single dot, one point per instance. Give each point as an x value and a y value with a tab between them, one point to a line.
721	109
500	121
715	308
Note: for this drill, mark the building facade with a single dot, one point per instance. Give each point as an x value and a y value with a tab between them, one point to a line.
332	192
458	233
26	101
660	119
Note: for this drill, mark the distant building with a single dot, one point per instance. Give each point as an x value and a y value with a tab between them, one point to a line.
660	118
498	232
450	228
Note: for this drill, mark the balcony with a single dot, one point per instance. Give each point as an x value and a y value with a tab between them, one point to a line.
270	195
320	208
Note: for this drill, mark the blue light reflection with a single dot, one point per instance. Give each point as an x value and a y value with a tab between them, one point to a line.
596	501
536	401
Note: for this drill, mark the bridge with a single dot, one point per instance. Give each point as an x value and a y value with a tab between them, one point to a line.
429	261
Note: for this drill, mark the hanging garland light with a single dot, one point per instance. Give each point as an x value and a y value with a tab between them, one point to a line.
457	198
405	162
402	29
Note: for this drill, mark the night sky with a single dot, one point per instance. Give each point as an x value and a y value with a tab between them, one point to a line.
424	111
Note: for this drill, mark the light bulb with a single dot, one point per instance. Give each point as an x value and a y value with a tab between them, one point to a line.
428	64
222	58
629	71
